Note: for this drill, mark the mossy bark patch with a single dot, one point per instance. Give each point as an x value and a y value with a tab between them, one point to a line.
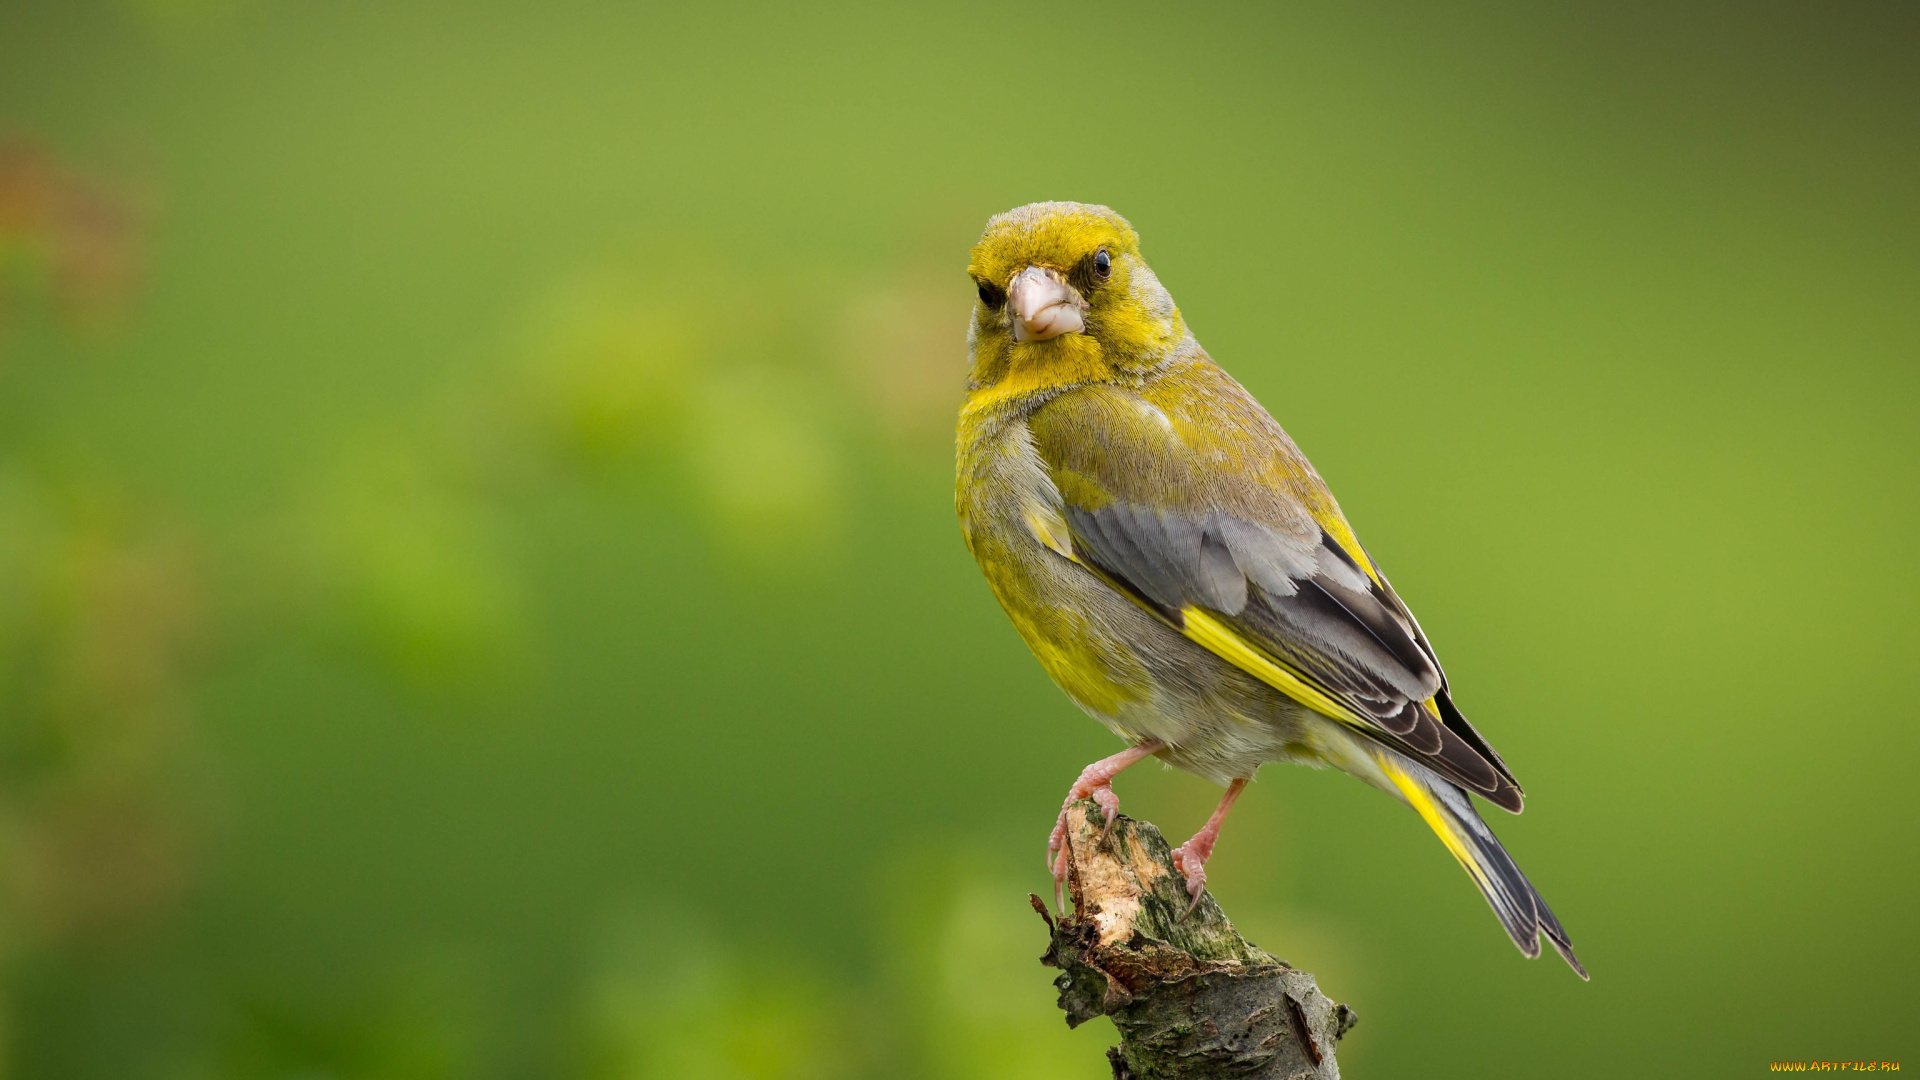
1192	999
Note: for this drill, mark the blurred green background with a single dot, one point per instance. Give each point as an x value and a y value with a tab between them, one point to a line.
479	593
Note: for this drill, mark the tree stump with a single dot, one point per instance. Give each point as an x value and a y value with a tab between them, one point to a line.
1192	999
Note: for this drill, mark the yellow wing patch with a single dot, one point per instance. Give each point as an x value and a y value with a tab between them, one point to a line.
1216	638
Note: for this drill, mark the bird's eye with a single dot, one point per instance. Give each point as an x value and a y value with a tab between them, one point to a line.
991	295
1102	264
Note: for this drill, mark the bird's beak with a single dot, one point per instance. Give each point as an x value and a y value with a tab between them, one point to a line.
1044	306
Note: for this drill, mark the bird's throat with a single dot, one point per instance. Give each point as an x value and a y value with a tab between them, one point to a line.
1041	368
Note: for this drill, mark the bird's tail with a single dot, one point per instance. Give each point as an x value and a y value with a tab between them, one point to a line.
1447	810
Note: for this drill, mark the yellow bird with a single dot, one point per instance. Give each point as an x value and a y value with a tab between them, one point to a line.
1179	568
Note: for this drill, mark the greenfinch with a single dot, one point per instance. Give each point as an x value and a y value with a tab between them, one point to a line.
1179	568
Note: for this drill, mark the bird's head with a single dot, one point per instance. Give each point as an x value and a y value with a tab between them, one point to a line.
1064	298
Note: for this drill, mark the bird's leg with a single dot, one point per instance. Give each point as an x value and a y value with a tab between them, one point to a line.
1096	782
1191	857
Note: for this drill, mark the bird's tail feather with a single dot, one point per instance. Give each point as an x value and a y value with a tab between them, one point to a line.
1450	813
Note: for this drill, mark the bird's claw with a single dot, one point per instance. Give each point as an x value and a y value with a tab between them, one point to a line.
1057	861
1192	866
1101	792
1109	804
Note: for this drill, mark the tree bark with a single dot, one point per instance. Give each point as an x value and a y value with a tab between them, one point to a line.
1192	999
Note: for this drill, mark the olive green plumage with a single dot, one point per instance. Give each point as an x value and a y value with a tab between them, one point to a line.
1176	564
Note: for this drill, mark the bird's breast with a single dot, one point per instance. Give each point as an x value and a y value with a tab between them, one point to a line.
1010	515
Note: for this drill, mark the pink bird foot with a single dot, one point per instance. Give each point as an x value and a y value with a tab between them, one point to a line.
1096	783
1191	857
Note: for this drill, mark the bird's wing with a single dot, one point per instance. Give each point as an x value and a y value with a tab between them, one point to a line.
1188	497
